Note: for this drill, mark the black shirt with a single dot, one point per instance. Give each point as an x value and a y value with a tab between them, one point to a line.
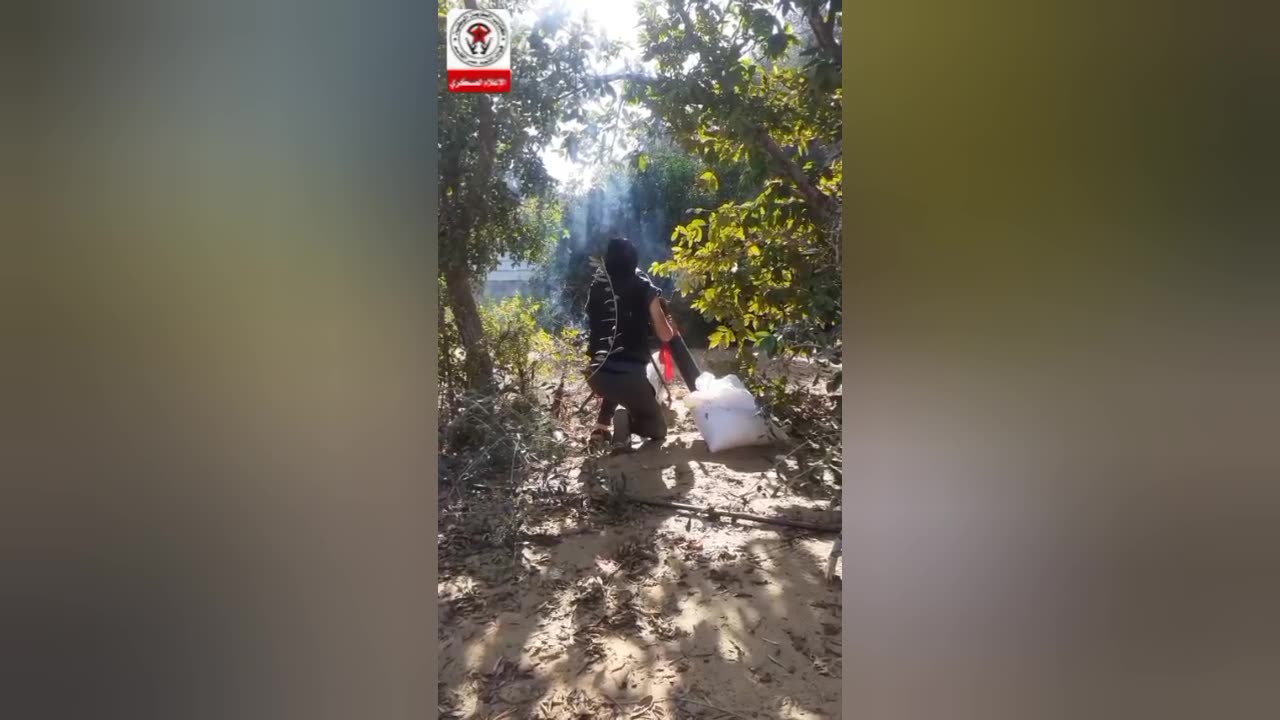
630	344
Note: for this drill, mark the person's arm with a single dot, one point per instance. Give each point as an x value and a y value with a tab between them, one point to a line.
661	326
666	310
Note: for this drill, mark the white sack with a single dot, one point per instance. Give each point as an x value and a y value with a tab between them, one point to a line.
659	389
726	414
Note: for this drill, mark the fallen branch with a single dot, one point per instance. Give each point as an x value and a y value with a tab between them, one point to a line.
646	699
713	514
697	655
685	699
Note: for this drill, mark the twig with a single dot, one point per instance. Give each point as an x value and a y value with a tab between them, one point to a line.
698	655
709	706
583	406
713	514
505	713
776	466
775	661
600	272
661	379
615	701
794	450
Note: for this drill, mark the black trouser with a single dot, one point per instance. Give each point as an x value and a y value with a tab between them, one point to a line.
627	386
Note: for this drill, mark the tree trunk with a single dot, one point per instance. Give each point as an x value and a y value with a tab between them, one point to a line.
818	202
462	300
478	366
823	30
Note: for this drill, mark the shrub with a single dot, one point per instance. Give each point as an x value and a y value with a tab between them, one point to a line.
493	439
516	343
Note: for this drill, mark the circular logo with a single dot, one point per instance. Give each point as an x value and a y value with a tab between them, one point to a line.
478	38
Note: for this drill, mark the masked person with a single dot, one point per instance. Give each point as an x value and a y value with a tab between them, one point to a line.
623	305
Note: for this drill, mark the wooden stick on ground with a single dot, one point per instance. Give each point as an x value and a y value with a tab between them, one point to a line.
685	699
713	514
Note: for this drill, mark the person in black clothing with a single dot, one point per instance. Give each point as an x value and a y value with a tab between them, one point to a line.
622	306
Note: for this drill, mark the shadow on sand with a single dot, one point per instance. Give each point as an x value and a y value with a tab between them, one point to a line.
708	621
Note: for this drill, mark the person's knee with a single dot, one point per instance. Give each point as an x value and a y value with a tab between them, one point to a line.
655	428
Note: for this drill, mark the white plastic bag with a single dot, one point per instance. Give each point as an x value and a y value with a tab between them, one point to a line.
659	388
726	414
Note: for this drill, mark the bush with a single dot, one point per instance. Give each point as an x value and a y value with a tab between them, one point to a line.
490	439
810	413
516	343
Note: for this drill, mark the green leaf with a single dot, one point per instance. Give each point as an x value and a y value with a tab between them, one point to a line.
710	180
826	78
642	162
768	344
777	44
762	21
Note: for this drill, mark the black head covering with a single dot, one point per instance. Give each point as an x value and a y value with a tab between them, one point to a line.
621	258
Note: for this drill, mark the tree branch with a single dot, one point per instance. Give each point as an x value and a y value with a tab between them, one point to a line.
823	30
605	79
817	200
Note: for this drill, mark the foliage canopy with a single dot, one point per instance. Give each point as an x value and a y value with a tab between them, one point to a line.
738	84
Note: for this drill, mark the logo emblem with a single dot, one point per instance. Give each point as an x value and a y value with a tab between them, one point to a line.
479	50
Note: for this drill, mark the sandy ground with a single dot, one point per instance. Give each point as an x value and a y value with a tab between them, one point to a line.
647	613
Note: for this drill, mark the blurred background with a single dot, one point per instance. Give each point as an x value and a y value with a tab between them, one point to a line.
1061	359
219	354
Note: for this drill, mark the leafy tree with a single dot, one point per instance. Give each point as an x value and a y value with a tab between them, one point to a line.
736	82
496	197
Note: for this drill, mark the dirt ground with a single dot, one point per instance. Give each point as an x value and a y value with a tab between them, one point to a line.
615	609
